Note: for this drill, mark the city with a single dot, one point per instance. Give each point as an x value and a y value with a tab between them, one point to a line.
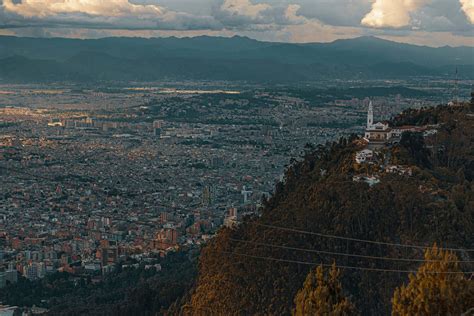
96	185
236	157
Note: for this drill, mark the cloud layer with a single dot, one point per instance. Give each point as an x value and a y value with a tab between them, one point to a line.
292	20
111	8
108	14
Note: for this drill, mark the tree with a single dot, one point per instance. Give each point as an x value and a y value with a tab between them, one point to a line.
446	292
322	295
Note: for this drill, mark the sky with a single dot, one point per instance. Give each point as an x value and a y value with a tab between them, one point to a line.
421	22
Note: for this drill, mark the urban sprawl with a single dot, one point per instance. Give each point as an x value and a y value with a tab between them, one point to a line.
92	177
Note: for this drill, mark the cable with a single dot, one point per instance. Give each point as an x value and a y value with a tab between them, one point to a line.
340	267
346	254
357	239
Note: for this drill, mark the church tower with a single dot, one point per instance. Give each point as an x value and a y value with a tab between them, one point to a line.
370	116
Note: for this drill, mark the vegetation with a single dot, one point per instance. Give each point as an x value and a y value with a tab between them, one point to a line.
438	288
322	295
127	291
253	269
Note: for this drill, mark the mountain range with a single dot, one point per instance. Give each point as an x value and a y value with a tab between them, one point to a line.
219	58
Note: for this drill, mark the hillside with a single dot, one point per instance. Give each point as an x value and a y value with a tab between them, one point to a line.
216	58
319	214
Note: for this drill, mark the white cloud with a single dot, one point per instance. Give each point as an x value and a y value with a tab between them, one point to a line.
392	13
110	8
468	8
96	14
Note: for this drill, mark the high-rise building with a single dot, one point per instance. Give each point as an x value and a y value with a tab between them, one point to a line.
246	194
3	280
157	125
164	217
30	271
207	196
11	275
232	211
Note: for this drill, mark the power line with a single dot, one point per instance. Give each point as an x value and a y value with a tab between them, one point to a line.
339	266
345	254
356	239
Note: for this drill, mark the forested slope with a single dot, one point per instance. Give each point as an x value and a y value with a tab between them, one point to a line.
317	212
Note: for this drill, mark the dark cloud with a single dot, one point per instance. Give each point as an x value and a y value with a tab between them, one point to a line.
443	16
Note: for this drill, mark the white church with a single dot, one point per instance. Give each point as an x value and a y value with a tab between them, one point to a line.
378	132
381	132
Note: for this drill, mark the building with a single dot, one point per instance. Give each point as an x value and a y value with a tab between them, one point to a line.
376	132
207	196
157	128
364	156
6	310
246	193
165	238
381	132
232	217
3	280
11	274
31	271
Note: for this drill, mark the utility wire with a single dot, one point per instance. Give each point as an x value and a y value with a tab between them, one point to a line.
338	266
345	254
356	239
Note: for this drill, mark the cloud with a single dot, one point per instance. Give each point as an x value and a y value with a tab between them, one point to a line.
111	8
468	8
244	8
120	14
417	21
335	12
246	15
392	13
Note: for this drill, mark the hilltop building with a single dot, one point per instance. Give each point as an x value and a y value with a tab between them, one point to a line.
381	132
378	132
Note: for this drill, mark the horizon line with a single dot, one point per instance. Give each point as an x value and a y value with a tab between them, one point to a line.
235	36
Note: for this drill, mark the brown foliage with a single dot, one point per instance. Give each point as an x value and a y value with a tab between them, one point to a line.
432	291
435	204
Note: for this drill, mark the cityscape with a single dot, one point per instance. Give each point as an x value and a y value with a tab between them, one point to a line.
106	177
236	157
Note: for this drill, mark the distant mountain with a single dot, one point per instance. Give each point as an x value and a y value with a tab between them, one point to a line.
219	58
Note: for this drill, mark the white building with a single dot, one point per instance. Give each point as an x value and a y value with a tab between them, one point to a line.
381	132
6	310
378	132
364	155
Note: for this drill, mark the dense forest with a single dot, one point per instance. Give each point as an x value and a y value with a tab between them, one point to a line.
319	216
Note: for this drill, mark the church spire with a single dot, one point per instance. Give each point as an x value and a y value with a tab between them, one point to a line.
370	116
